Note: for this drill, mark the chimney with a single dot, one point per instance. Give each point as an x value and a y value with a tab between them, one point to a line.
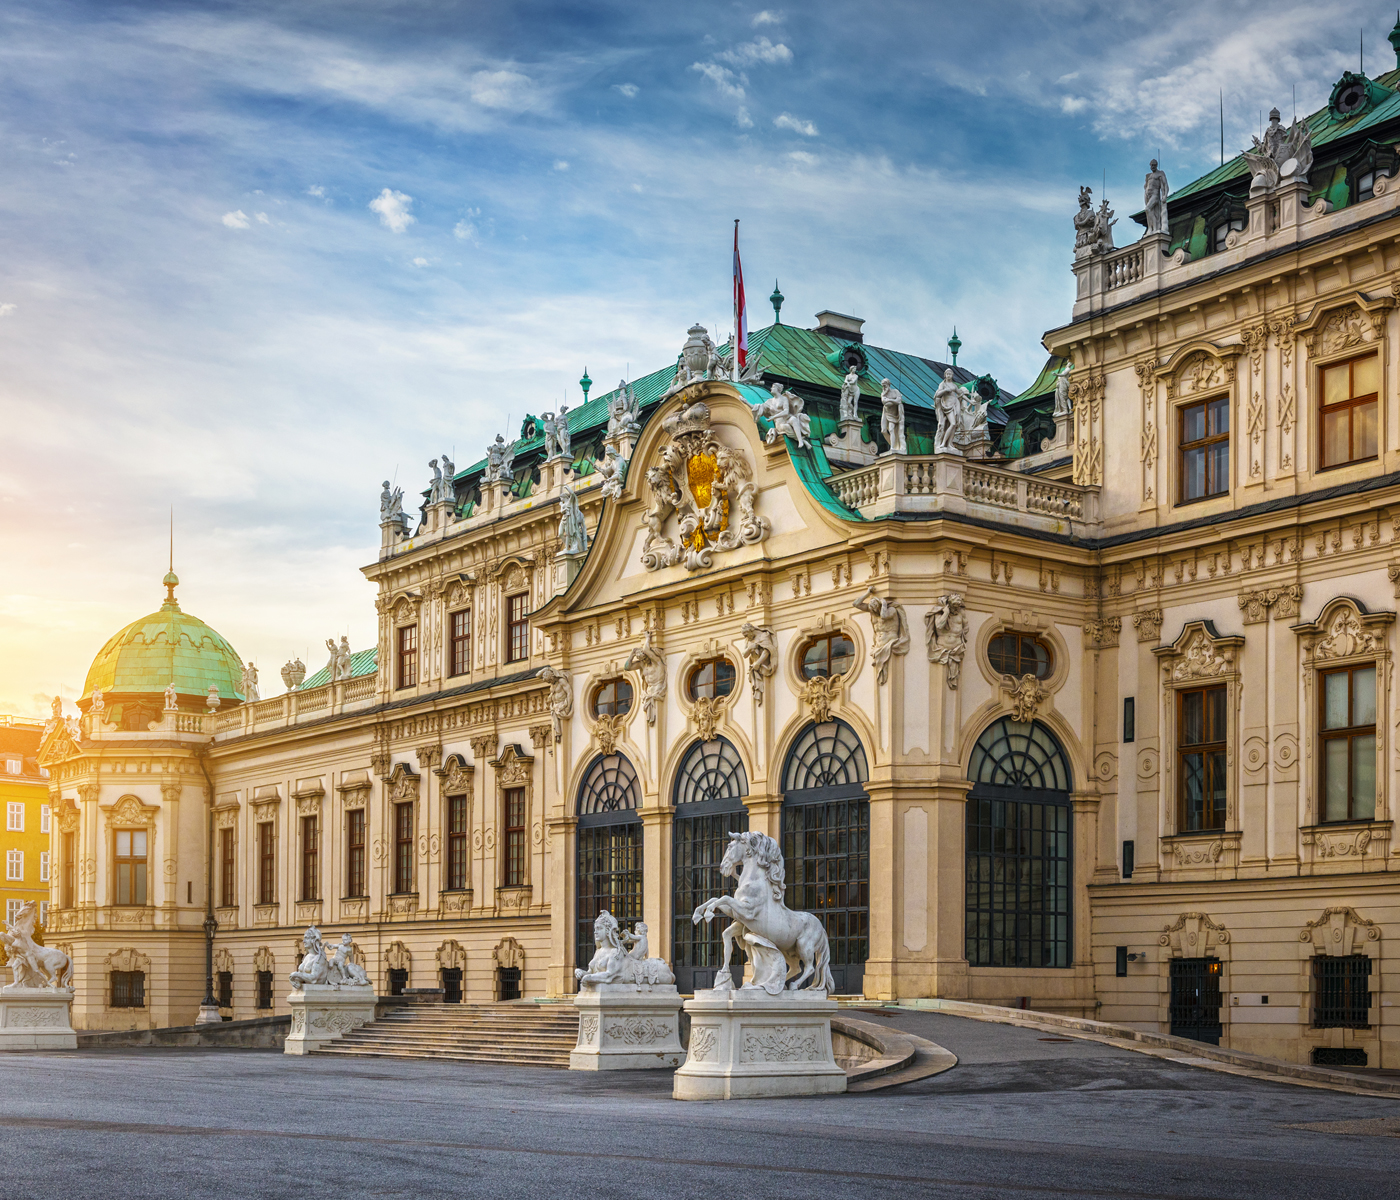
838	325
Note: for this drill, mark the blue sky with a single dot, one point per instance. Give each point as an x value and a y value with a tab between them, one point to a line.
254	258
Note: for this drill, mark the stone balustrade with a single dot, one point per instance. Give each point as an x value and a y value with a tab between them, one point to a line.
331	699
932	485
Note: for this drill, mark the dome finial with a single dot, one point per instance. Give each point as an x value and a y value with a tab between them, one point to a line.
171	580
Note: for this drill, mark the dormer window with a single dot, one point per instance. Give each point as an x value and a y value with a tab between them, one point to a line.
1366	186
1223	231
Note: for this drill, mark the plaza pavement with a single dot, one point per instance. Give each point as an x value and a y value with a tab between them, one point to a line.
1024	1114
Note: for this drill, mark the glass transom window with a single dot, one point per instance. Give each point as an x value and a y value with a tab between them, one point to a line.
613	699
1348	417
831	654
1349	744
711	679
1020	654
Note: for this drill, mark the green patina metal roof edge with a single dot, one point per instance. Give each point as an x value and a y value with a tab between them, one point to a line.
362	662
1044	382
143	658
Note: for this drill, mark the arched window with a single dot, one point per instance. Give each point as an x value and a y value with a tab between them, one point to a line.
826	842
710	679
828	655
709	792
1019	859
612	698
825	755
608	871
1020	654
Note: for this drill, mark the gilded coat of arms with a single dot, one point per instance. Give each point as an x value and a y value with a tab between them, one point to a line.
708	489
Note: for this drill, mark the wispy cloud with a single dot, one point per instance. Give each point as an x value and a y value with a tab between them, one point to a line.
7	309
392	208
760	50
316	190
788	121
235	220
627	89
767	17
722	77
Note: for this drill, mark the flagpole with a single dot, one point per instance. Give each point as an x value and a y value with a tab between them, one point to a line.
734	344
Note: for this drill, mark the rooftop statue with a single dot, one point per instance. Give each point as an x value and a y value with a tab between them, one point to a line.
250	684
494	454
211	701
784	409
551	436
293	673
1281	155
1085	223
32	965
390	504
447	491
172	699
97	704
1063	404
850	395
613	470
1154	198
947	408
339	665
1104	221
789	950
435	487
892	417
622	958
624	412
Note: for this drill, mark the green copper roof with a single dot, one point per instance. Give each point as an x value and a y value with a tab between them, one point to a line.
169	644
362	662
1044	383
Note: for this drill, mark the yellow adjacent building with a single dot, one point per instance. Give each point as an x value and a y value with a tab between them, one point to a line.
24	799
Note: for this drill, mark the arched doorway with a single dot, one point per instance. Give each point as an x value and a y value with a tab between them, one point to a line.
711	784
1019	822
609	859
826	842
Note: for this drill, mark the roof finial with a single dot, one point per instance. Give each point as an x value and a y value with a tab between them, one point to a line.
776	300
1394	38
585	383
171	580
954	345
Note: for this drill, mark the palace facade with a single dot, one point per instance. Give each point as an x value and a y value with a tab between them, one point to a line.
1094	717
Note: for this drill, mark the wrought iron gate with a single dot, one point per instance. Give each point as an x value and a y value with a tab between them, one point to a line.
608	871
1195	999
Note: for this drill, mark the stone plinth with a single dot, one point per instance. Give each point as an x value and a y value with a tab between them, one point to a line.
322	1013
747	1043
36	1019
621	1028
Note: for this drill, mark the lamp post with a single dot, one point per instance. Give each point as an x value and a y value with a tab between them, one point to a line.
209	1006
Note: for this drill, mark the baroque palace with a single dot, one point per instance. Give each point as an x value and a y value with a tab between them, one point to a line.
1079	699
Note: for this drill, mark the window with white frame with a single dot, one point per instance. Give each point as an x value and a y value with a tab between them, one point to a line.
44	813
43	866
14	816
43	912
15	766
14	865
12	910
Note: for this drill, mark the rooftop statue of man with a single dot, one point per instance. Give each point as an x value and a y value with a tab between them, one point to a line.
850	395
1154	198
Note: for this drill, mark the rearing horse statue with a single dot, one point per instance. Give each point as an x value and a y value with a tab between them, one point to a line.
780	942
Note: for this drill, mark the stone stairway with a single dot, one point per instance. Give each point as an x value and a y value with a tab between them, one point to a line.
520	1032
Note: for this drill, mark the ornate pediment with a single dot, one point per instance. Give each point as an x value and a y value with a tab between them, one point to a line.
1199	368
1339	931
1193	935
1199	653
456	775
513	766
703	496
60	742
129	810
402	783
1344	630
1335	328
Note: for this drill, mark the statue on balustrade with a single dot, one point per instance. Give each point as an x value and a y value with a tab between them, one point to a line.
892	417
850	395
250	684
1154	199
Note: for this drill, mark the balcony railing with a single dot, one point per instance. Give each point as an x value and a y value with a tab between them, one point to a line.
939	484
330	699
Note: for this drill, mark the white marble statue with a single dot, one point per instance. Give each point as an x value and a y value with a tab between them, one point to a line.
945	632
435	487
647	659
32	965
1064	406
850	395
506	474
1085	224
892	417
624	412
760	646
551	436
97	704
622	958
1154	199
573	533
890	626
390	504
789	950
784	409
343	970
172	698
211	702
57	719
562	436
250	684
342	659
314	968
948	409
561	697
1104	221
494	454
1281	155
614	472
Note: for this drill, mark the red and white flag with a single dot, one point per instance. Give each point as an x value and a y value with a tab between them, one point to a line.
741	316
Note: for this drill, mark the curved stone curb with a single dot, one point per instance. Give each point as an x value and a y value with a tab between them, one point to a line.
1161	1045
900	1057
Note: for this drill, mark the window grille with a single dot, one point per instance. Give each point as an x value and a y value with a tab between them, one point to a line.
398	980
1194	1006
1341	996
825	755
264	989
452	985
609	862
225	989
507	983
128	989
1019	755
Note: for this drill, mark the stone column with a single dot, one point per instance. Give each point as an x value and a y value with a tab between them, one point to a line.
562	899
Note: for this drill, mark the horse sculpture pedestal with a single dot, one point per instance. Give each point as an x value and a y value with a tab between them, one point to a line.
322	1013
623	1028
36	1018
747	1043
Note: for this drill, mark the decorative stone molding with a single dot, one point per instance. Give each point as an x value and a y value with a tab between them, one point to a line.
397	958
1338	325
308	794
1339	931
1103	634
454	902
66	815
264	802
170	790
451	956
509	954
403	904
608	730
308	912
1193	935
820	694
1344	631
1347	842
265	960
265	914
354	909
130	812
402	784
428	756
484	747
1199	653
542	737
1087	394
455	776
513	899
513	766
1199	367
1148	624
125	959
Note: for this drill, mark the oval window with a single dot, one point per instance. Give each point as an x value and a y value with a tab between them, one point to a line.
1020	654
711	679
613	699
831	654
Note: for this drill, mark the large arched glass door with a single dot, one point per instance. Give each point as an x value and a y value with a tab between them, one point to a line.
609	862
709	797
1019	819
826	842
